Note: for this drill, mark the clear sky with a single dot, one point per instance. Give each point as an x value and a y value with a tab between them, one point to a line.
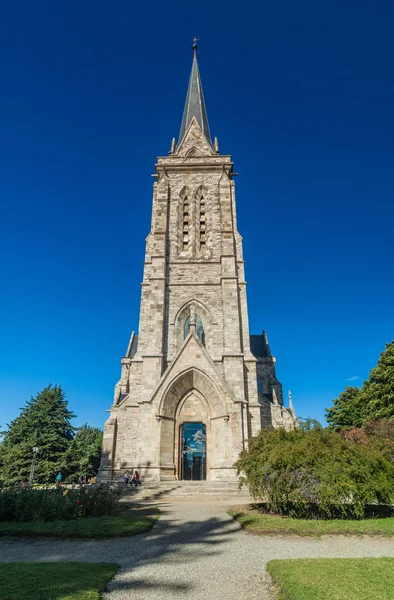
300	93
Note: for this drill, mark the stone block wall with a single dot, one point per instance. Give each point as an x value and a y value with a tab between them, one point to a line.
170	379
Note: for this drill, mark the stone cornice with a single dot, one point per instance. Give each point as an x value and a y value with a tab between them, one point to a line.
182	283
186	261
249	358
200	167
213	158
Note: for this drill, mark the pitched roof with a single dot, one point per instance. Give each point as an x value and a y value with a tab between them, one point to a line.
134	346
195	105
259	346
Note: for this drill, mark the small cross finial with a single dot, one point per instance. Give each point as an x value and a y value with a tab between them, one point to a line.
195	40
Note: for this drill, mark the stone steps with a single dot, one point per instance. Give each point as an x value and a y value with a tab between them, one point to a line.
187	489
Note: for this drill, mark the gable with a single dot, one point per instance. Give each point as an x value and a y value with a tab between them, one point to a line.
195	139
191	364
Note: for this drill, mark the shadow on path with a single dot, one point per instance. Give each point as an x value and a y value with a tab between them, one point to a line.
148	561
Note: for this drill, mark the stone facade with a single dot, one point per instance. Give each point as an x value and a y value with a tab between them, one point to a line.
193	360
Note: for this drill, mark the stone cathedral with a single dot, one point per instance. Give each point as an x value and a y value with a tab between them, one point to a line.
195	385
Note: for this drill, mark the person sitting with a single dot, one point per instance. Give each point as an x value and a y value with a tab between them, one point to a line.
127	477
136	479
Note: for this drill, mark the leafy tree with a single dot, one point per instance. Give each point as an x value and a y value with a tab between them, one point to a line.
83	455
374	401
377	394
308	424
315	473
347	410
44	422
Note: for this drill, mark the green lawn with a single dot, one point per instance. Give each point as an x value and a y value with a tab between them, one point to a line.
127	521
256	522
55	581
334	578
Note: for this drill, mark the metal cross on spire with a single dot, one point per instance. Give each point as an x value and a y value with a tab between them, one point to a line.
195	40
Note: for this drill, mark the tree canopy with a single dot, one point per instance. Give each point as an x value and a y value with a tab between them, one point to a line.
45	422
377	393
346	410
83	454
373	401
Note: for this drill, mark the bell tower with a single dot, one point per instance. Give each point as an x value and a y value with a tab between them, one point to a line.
191	370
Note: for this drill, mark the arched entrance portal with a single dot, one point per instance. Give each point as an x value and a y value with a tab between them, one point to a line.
191	404
193	451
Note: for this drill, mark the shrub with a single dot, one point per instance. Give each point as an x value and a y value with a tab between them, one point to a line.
355	435
382	429
316	473
376	434
25	504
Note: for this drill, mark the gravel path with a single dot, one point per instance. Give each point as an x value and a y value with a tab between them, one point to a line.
196	551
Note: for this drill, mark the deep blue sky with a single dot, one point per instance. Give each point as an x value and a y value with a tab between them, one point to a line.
301	94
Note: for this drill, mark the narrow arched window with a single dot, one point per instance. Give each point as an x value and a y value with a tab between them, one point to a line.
186	223
203	231
199	328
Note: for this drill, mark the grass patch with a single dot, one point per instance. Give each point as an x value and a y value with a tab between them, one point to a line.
126	521
55	581
256	522
334	578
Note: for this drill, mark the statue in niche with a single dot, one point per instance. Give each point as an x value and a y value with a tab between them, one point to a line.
195	320
192	314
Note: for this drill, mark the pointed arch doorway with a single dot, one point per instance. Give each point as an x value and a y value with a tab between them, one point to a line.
191	403
193	451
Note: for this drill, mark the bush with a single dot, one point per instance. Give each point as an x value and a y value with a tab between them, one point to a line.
383	430
26	504
316	473
376	434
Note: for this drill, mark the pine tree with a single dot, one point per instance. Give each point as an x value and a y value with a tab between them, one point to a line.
83	455
347	410
377	394
45	422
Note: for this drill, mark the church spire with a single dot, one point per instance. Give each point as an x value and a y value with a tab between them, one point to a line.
195	105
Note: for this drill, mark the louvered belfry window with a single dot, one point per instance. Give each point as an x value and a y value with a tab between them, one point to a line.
186	223
203	231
